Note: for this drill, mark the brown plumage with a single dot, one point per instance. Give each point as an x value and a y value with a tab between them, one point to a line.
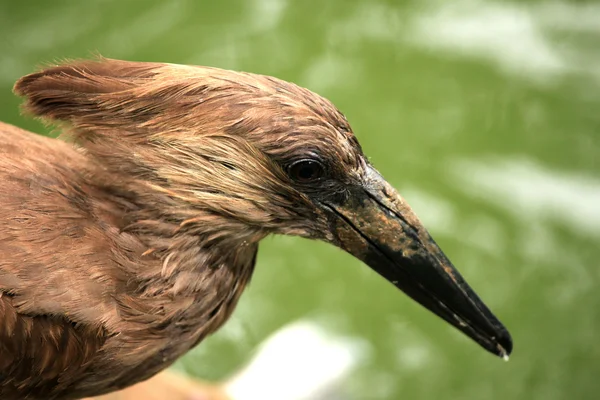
128	243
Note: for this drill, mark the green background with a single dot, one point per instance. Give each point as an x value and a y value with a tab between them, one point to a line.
484	115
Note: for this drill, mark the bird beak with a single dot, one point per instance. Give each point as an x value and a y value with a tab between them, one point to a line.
377	226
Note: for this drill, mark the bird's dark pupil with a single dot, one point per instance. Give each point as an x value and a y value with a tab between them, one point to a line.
307	171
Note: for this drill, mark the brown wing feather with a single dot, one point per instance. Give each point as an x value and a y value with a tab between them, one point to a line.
41	355
54	305
70	326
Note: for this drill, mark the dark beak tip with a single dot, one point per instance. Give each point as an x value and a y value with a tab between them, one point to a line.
505	344
500	344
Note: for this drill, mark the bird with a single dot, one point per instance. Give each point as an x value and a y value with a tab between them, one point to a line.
129	239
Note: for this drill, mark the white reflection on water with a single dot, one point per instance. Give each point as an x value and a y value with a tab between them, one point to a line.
520	38
330	70
265	14
370	21
533	41
505	33
539	198
301	361
534	192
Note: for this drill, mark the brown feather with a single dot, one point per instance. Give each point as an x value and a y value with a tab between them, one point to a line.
124	249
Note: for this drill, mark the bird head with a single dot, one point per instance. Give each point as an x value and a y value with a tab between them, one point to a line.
239	156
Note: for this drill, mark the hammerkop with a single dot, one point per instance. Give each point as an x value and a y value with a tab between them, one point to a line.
127	244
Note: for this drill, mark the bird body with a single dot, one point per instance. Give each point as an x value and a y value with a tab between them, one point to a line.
69	313
127	243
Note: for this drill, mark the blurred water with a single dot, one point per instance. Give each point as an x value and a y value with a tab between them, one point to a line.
483	114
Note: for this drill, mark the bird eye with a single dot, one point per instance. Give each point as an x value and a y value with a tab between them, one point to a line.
306	171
